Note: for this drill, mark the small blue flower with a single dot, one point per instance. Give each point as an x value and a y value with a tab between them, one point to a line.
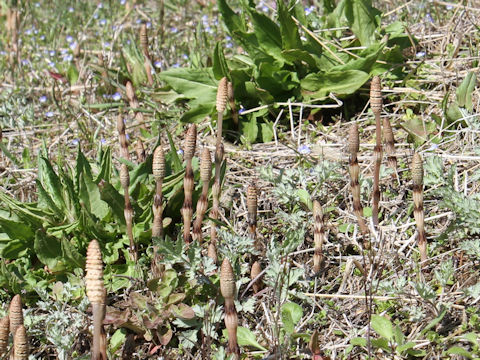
449	7
433	147
128	41
72	45
37	4
117	96
138	21
429	18
49	114
68	58
102	22
71	9
228	38
176	65
103	141
185	57
174	30
304	149
123	2
180	152
420	54
3	53
265	8
75	142
148	24
25	62
241	110
51	53
95	15
309	10
152	71
69	38
127	136
229	45
107	96
50	63
106	44
42	37
35	31
28	32
100	5
157	64
42	99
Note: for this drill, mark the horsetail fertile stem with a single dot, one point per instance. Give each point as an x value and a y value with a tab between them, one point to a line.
140	150
215	211
4	332
97	296
390	145
376	106
318	236
252	212
158	169
122	138
15	313
202	204
146	54
231	101
254	273
128	210
417	176
188	181
354	169
221	105
20	344
227	288
134	104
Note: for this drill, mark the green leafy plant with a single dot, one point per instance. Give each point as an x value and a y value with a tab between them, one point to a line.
286	59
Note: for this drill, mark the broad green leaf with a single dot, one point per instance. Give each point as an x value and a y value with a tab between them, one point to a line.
268	34
288	28
117	340
105	165
14	249
72	74
51	182
296	55
90	194
418	129
114	200
382	326
246	338
232	20
358	341
465	90
305	197
404	347
291	315
381	343
48	250
219	68
71	255
457	350
338	82
198	85
267	131
361	17
16	230
250	129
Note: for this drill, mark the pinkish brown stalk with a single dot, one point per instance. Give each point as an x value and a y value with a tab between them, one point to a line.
376	106
202	204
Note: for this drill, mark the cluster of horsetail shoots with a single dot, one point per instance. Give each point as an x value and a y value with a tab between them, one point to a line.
354	169
202	204
146	53
417	176
97	296
134	104
227	288
318	236
128	210
188	182
376	106
122	138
